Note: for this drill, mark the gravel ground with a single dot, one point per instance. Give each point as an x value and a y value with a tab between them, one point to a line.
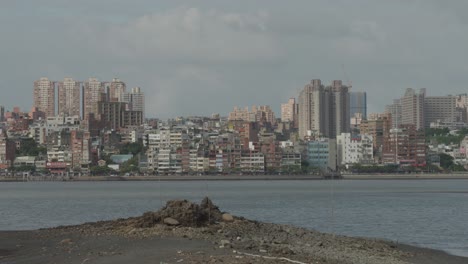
183	232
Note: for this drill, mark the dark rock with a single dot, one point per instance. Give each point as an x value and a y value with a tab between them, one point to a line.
188	214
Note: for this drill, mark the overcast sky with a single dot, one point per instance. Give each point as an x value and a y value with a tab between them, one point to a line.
201	57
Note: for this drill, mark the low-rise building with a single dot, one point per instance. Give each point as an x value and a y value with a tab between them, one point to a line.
321	153
353	149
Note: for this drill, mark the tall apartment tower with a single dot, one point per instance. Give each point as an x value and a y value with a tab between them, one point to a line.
340	109
93	92
395	111
136	100
289	111
358	104
323	110
116	91
310	107
2	113
44	96
412	108
69	97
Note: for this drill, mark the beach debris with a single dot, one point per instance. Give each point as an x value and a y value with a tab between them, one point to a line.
66	241
171	221
225	244
270	258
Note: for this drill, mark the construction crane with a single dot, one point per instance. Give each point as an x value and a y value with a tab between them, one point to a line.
349	83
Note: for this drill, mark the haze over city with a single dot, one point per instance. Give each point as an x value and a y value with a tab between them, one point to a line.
188	55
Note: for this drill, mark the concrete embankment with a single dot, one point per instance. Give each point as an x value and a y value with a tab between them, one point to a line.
235	177
409	176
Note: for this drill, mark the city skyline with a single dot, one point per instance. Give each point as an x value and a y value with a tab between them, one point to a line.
255	54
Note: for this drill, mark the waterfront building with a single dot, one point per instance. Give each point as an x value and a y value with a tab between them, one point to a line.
353	149
405	146
80	149
290	159
321	153
377	126
7	151
44	96
69	97
252	162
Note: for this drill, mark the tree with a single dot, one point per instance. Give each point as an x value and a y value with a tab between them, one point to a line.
131	148
446	161
130	166
29	147
24	168
101	171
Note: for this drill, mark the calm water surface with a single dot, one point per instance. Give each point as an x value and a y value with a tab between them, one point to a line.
428	213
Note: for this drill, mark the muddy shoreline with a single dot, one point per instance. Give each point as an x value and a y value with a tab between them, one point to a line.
184	232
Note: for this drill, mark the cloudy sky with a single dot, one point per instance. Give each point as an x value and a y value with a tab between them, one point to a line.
199	57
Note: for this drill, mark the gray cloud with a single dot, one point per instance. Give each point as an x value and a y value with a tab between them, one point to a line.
198	57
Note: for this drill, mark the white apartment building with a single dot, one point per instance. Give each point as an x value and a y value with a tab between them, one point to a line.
353	150
253	162
197	163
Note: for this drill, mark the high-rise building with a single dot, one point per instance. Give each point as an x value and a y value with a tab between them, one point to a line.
44	96
441	109
114	115
339	109
93	92
239	114
116	91
412	108
324	111
289	111
395	111
135	100
358	104
69	97
2	113
310	108
262	113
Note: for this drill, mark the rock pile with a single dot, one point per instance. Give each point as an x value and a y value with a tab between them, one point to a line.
182	213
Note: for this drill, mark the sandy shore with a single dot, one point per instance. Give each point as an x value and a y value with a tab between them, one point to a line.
183	232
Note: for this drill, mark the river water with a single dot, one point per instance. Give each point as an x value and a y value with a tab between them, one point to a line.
427	213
